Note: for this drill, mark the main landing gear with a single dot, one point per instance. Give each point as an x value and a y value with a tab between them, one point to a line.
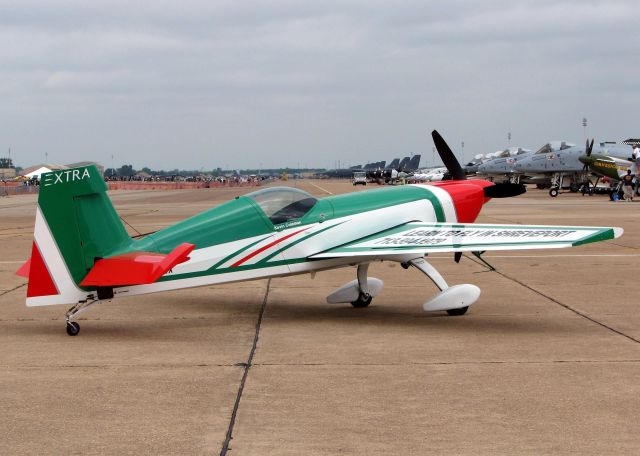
358	292
455	300
364	298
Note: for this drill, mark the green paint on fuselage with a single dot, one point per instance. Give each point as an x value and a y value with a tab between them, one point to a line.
241	218
604	165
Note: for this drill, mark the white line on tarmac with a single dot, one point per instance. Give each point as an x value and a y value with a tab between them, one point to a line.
320	188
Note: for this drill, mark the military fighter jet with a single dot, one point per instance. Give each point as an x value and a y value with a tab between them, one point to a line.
565	162
502	165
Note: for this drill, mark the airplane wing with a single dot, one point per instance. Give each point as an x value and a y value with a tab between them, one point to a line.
423	238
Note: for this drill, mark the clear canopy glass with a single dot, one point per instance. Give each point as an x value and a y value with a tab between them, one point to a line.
281	204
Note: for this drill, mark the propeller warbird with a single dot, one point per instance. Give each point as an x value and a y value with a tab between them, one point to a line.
606	165
82	254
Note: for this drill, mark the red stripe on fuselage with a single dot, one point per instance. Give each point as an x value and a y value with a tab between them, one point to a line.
265	247
468	197
40	281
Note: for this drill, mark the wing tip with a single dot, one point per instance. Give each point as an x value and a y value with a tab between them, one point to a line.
617	232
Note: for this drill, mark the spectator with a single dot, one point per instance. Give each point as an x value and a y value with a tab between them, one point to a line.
627	185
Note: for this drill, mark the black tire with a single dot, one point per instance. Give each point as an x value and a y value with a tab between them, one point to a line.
73	328
458	312
573	188
363	301
553	192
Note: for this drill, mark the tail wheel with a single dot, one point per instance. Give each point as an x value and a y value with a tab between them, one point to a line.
73	328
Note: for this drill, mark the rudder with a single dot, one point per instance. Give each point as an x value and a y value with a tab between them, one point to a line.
76	225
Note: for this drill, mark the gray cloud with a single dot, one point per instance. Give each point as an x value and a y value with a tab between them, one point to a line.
205	84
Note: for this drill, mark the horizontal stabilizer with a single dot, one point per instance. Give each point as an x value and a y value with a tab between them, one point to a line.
24	269
135	268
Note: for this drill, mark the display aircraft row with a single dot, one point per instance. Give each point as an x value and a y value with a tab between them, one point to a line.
554	164
377	170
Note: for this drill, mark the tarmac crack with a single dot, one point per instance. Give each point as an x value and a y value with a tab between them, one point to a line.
13	289
246	367
561	304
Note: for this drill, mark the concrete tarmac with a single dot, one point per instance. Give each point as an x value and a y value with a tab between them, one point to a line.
546	362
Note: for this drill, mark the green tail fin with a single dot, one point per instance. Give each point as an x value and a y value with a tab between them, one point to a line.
81	218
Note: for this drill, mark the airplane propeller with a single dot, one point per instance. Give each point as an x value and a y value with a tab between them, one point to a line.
588	150
447	157
456	172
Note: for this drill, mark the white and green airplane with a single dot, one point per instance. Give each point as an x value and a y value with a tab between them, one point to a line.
82	255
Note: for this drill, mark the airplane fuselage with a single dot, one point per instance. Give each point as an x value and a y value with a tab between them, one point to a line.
238	240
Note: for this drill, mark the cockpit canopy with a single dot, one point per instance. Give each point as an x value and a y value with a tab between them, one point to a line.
554	147
281	204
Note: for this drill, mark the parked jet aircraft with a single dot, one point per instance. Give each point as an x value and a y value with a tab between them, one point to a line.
82	255
565	162
395	164
403	163
502	166
430	175
406	167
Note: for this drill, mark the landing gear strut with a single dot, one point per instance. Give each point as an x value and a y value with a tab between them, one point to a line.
358	292
364	298
73	328
454	300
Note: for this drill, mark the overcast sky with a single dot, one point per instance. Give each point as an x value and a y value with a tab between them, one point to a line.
204	84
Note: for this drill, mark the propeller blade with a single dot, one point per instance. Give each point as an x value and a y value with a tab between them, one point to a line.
589	148
447	157
505	190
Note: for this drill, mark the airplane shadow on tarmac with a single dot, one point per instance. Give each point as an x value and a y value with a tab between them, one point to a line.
206	312
414	318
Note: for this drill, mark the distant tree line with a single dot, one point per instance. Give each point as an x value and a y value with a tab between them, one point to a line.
129	171
6	162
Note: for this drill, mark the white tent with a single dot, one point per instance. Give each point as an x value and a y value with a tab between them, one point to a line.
36	173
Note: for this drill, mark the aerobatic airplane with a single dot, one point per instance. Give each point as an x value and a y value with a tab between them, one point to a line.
82	255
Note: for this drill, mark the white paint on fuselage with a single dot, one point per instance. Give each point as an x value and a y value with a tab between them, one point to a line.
352	227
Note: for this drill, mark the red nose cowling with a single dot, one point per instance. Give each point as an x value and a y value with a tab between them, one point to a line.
468	197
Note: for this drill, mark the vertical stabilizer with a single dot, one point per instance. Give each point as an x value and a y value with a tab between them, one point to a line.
76	225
